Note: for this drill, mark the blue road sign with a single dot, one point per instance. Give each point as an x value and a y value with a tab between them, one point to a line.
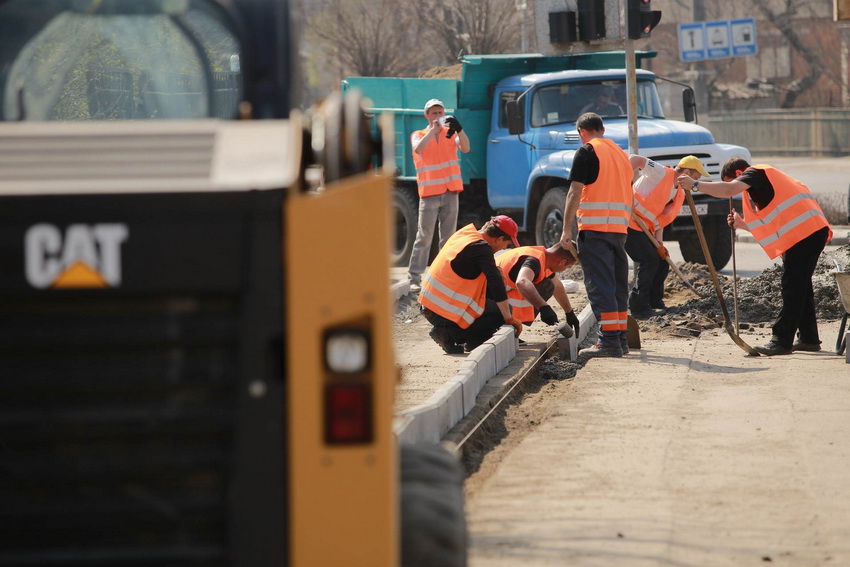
718	43
692	42
717	40
743	36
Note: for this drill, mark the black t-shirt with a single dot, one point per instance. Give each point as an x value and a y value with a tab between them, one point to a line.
525	261
585	168
761	190
477	258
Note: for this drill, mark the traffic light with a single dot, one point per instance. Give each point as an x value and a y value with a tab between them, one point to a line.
641	18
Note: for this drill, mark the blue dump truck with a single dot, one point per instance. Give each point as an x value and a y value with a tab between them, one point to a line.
524	174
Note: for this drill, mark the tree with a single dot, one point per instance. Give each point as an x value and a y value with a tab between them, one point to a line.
473	26
369	38
784	22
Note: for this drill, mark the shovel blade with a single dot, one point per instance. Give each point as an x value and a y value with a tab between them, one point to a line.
632	333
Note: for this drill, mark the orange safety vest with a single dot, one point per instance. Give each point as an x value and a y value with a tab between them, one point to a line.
437	167
606	204
447	294
791	216
521	308
651	208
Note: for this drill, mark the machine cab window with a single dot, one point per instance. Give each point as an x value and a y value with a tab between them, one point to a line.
117	60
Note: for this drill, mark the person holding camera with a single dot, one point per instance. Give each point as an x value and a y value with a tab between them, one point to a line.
435	155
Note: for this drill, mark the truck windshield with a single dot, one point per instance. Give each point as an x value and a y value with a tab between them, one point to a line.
565	102
69	60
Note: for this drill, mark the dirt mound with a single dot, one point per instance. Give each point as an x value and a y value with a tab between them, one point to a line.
759	297
451	72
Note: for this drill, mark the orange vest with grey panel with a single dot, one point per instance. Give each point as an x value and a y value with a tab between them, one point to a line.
437	167
606	204
521	308
447	294
791	216
651	208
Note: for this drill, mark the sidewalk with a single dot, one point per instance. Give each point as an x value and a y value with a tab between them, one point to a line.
840	235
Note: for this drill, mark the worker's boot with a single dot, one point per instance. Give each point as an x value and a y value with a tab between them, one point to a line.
443	337
598	350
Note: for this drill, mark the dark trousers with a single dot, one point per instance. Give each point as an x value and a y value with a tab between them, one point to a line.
479	331
798	297
606	279
652	271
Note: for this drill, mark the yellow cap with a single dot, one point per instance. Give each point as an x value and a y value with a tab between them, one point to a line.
692	162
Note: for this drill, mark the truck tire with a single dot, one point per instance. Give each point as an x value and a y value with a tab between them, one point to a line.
549	221
433	525
406	207
718	237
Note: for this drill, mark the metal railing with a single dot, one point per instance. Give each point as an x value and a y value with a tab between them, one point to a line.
809	132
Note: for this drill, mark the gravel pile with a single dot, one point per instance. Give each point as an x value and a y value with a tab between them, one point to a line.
759	297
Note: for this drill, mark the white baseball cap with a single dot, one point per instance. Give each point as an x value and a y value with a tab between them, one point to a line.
433	102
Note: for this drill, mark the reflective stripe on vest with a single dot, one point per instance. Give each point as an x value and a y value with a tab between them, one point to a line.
606	204
522	309
447	294
437	167
791	216
651	208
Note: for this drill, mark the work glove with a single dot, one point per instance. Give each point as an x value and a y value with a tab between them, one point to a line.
548	316
574	322
516	324
454	126
662	252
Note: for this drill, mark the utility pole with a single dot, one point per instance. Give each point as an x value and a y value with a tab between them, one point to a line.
699	83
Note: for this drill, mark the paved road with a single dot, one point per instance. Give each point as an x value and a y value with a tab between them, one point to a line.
823	175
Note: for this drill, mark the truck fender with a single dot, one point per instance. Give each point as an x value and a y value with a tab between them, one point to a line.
550	171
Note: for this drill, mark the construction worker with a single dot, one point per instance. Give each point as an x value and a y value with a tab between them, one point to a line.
435	155
785	219
529	273
600	194
658	199
463	294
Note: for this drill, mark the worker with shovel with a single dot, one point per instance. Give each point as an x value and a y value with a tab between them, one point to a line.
658	199
785	219
530	281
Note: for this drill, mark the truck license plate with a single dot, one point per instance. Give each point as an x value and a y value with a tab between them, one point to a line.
702	210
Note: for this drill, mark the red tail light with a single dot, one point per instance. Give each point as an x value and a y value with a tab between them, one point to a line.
348	413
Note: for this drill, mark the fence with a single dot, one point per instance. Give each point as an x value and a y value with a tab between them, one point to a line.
808	132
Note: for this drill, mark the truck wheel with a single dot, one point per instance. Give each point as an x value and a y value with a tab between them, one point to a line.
718	236
549	223
406	207
433	525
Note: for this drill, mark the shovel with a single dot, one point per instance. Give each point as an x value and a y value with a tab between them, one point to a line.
727	322
734	269
666	256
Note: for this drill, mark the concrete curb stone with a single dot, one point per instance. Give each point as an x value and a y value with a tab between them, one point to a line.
455	399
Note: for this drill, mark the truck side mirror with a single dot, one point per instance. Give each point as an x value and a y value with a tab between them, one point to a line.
516	116
689	104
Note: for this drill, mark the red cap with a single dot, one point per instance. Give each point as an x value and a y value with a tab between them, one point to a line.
507	225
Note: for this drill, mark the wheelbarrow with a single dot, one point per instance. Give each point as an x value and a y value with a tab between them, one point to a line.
843	281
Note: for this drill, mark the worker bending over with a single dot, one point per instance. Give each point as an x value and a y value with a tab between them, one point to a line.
785	219
658	199
463	294
529	273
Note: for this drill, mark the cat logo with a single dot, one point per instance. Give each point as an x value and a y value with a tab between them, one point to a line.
88	257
